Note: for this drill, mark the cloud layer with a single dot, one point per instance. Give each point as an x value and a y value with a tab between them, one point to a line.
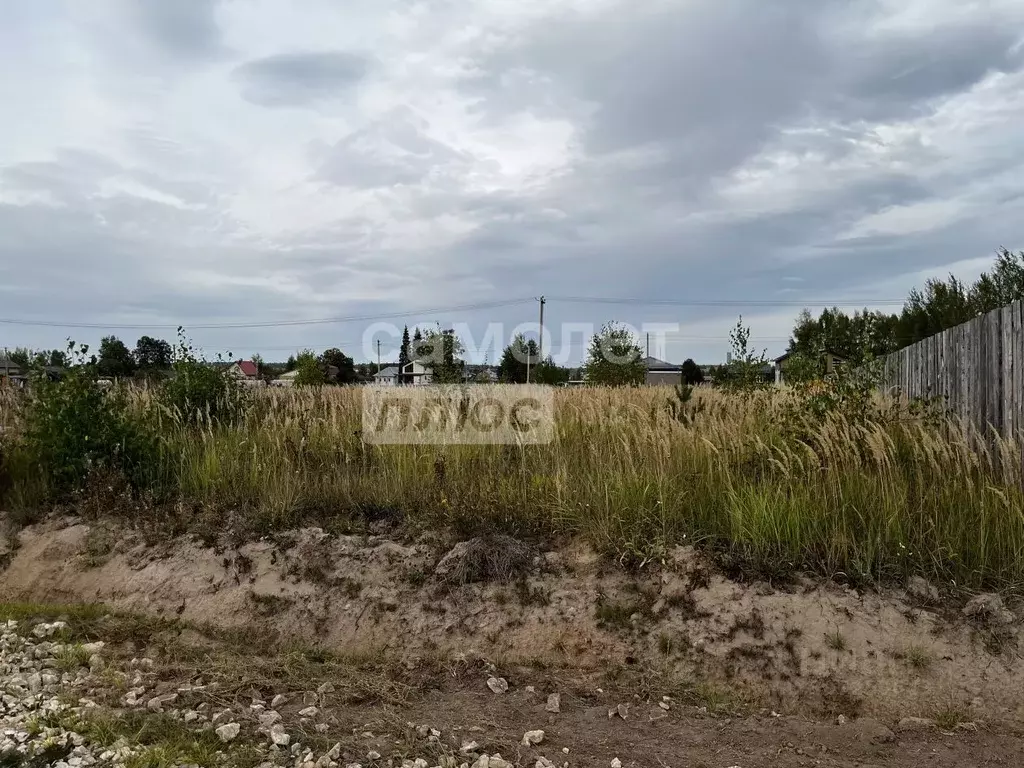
211	162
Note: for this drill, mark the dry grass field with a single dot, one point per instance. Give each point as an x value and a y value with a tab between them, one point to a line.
753	478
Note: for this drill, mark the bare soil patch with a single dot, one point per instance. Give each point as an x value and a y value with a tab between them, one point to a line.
728	654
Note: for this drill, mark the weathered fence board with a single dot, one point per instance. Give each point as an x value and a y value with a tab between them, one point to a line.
977	368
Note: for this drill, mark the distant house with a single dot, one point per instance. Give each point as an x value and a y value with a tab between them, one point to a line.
830	359
661	373
285	379
417	374
480	374
243	369
388	377
8	369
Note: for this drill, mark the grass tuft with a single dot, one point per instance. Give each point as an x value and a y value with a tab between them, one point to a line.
836	641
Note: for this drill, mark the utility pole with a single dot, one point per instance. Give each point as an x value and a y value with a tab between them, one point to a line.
540	336
540	343
378	355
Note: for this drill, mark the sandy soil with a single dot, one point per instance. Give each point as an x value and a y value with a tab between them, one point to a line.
813	650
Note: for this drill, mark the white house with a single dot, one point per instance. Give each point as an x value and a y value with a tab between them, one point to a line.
388	377
285	379
417	374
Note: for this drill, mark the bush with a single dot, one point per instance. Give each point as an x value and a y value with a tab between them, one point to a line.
311	372
74	427
745	372
201	393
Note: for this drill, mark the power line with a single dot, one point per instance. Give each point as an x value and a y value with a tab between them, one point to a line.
458	308
271	324
725	302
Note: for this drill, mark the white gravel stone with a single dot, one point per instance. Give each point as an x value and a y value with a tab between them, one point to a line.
531	738
497	684
228	731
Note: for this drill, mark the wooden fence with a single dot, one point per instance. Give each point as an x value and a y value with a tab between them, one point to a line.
977	367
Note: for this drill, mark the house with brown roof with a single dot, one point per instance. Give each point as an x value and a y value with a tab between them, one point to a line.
244	369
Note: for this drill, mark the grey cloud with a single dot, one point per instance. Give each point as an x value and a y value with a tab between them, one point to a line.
393	150
712	83
300	79
186	28
716	83
898	75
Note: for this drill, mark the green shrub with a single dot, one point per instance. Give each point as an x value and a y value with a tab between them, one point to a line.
74	427
745	372
311	372
201	393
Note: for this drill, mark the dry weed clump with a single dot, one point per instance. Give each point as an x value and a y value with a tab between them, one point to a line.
494	558
771	488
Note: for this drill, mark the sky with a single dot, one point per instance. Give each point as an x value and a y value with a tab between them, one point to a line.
258	163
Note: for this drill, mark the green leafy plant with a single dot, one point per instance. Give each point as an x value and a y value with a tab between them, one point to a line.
201	393
745	372
311	372
614	357
684	408
74	426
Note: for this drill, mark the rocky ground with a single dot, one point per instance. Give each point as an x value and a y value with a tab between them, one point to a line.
160	693
320	650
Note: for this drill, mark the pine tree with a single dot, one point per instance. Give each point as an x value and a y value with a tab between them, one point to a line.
417	342
403	356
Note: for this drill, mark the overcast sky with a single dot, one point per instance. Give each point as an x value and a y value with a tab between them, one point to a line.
244	161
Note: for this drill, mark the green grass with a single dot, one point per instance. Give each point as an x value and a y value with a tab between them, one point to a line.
71	657
165	741
765	487
87	622
950	715
918	657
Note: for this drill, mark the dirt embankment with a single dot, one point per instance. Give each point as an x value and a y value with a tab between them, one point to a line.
813	648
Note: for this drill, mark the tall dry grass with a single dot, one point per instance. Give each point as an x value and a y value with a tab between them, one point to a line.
871	501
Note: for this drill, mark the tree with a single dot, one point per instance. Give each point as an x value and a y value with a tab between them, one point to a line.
115	358
745	371
692	373
290	365
512	368
257	360
152	355
21	357
440	349
346	369
549	373
403	357
938	306
614	357
417	344
311	372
